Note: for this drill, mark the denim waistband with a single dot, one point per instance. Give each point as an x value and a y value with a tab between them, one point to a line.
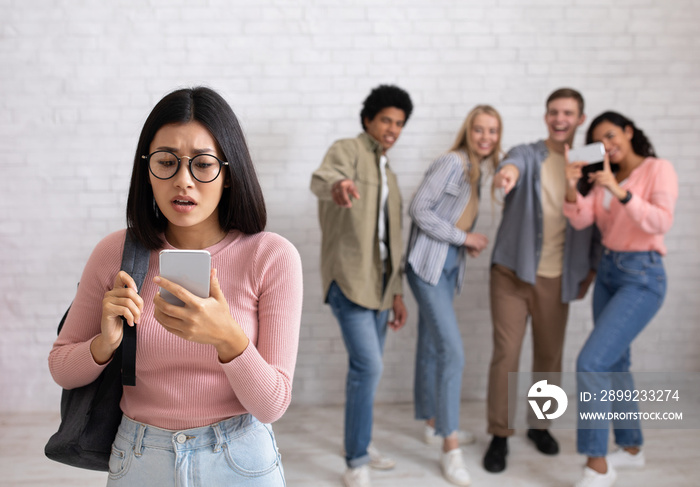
214	435
653	255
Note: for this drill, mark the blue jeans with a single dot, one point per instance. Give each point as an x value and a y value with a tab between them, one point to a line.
237	451
439	353
629	290
364	332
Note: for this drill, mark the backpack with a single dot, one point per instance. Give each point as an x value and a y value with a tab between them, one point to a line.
90	415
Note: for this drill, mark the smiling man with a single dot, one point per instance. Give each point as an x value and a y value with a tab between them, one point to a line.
359	209
539	264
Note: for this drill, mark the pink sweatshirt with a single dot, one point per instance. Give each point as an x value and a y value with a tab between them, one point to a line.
182	384
639	225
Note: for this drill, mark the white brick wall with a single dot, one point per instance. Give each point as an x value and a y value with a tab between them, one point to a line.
79	78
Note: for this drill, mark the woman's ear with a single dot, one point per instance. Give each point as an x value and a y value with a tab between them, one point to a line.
629	132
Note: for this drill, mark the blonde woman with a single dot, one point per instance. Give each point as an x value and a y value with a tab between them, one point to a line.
443	212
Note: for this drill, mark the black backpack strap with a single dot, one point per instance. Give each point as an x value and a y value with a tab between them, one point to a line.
128	353
135	259
135	263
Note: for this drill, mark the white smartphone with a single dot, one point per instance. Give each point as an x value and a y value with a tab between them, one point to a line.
590	153
188	268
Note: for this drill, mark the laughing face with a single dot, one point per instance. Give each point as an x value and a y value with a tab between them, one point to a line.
484	134
184	201
617	141
386	126
563	117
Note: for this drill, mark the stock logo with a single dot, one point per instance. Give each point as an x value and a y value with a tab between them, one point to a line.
542	389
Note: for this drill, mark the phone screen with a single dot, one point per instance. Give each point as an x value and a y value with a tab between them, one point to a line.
188	268
590	153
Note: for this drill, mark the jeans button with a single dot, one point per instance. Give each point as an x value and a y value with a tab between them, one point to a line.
181	438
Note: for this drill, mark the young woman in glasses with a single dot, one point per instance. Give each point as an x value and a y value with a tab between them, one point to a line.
211	375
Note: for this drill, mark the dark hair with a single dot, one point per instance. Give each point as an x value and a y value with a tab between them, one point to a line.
640	144
566	93
385	96
242	205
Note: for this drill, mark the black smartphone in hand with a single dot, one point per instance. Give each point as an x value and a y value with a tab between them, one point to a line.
593	155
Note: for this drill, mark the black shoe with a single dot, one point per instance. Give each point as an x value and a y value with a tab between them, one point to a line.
543	441
495	458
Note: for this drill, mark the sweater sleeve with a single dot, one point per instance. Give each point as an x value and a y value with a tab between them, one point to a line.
429	193
655	215
580	213
262	375
70	361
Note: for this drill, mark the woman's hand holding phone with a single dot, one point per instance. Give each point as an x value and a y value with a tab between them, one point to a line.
590	165
201	320
122	300
574	172
608	180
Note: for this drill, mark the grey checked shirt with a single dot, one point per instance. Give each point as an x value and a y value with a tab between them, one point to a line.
518	243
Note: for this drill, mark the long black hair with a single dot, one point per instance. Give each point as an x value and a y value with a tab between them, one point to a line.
242	205
640	143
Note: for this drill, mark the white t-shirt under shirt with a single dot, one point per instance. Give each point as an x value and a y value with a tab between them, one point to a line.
381	221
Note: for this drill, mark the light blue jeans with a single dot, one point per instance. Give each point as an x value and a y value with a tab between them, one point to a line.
629	290
364	333
238	451
439	353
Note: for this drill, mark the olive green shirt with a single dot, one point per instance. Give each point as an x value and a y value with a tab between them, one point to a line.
349	243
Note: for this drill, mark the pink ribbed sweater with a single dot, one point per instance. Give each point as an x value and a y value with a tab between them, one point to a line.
181	384
639	225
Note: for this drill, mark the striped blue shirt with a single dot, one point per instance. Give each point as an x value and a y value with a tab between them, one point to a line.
434	211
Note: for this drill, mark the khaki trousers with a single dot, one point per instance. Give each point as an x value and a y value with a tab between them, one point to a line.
512	301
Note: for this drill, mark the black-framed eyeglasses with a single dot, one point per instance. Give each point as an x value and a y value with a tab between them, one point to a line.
205	168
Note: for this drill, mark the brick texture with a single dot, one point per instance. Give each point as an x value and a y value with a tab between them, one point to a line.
79	78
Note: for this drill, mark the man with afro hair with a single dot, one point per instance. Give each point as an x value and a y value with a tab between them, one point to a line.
359	208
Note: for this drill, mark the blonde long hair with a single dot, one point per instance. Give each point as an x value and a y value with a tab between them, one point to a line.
463	144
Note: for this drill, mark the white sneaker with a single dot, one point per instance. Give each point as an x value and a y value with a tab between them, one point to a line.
464	437
623	459
357	477
453	468
378	461
591	478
